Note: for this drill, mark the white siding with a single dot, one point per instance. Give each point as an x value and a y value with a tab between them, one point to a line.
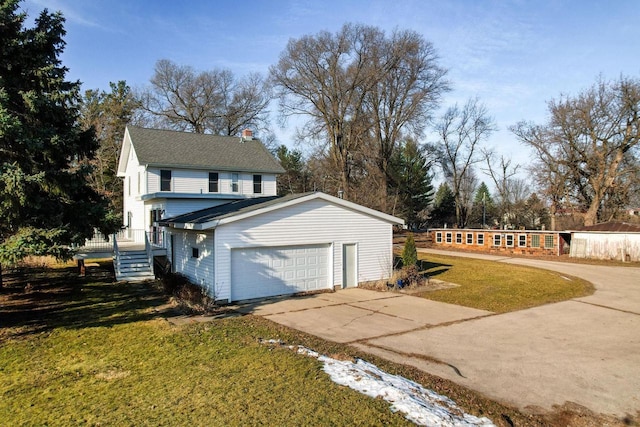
130	193
153	180
620	246
175	207
199	270
197	181
309	223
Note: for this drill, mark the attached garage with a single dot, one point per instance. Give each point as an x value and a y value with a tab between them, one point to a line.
271	246
265	272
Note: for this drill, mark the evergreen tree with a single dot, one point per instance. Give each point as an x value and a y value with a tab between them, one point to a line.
108	113
409	252
484	209
45	202
444	207
411	179
296	177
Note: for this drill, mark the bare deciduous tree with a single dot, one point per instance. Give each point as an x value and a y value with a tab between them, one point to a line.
586	150
360	89
205	102
410	87
512	191
325	77
461	132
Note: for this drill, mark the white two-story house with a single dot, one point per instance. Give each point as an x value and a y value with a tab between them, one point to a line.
167	173
211	202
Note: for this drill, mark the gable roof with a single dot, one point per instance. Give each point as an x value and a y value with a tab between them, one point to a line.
204	219
167	148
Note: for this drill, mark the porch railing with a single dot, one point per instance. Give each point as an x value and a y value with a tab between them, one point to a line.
125	237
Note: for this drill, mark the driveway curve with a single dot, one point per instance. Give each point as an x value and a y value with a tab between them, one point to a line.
585	350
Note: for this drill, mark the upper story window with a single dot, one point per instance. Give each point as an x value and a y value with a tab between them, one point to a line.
165	180
235	186
213	182
257	184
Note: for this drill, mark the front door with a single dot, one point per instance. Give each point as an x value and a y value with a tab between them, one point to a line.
349	266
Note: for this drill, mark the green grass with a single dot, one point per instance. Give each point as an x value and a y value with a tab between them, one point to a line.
498	287
99	353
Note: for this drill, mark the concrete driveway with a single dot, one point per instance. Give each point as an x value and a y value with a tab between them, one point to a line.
585	351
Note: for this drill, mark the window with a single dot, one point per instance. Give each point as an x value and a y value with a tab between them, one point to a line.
165	180
469	238
439	237
459	238
257	184
234	183
139	180
447	237
195	253
522	240
128	186
480	239
497	240
535	240
508	239
213	182
548	241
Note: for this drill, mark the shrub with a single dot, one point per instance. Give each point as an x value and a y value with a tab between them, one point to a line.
187	294
173	282
409	253
411	275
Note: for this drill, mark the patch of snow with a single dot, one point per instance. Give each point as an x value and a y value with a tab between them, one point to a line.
420	405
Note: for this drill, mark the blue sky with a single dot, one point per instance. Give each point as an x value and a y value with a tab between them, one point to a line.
513	55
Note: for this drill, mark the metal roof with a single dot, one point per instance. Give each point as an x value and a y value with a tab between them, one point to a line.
230	209
169	148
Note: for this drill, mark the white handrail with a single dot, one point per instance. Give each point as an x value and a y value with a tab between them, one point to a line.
147	248
116	253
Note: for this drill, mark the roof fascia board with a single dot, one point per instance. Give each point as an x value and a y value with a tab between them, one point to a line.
124	154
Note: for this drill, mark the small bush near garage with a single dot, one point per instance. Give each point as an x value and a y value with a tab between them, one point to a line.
188	295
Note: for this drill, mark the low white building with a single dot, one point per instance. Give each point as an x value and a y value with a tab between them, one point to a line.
617	240
269	246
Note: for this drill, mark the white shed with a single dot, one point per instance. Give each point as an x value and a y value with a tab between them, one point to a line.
272	246
613	240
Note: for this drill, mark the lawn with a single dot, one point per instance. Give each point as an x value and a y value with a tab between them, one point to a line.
100	353
498	287
89	351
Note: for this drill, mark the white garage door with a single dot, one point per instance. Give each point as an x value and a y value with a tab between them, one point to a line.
263	272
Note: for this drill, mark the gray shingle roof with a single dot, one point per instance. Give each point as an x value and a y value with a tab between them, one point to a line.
168	148
230	209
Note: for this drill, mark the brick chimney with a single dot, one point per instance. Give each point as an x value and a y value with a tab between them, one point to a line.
247	135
